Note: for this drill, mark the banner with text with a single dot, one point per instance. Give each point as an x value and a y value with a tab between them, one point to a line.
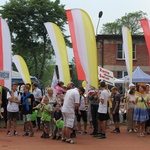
106	75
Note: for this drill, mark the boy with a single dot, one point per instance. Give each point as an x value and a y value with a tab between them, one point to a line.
57	117
27	101
13	108
46	117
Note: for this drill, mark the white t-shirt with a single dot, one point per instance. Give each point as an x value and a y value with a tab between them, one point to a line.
82	103
13	107
72	96
130	100
103	107
37	94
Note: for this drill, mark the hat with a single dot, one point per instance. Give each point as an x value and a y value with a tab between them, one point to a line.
131	84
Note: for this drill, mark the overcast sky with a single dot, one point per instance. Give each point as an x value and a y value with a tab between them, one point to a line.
112	9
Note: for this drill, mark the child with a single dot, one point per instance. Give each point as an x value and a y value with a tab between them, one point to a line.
1	116
82	111
46	117
57	117
60	91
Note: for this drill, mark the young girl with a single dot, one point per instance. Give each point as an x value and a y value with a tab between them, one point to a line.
60	91
46	117
82	111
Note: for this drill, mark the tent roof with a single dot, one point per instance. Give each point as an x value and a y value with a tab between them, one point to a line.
140	76
17	75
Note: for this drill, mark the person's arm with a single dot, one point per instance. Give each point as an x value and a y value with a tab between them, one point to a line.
39	95
77	99
9	97
116	106
102	98
117	103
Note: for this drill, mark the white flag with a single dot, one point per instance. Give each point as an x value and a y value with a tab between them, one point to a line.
54	83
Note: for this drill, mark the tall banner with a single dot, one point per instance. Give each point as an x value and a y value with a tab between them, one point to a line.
84	42
22	68
128	50
146	28
79	68
60	50
5	55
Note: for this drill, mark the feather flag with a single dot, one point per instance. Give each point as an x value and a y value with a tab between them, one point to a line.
80	71
22	68
5	53
60	50
84	42
146	28
54	83
127	47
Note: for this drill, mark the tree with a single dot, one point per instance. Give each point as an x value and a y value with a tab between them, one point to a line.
74	74
26	20
130	20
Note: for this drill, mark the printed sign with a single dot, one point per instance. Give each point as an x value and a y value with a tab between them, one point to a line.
4	75
106	75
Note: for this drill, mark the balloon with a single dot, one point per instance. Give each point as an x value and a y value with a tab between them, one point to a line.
60	124
34	115
83	84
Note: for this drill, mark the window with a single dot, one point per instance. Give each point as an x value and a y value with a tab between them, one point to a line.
120	52
121	74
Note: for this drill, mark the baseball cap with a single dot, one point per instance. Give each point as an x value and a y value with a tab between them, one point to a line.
131	84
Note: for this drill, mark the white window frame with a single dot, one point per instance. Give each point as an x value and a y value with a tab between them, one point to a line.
123	55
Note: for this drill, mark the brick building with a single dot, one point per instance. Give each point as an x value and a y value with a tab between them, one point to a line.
111	56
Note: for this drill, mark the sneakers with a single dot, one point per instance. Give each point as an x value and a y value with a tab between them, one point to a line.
46	136
101	136
8	133
26	134
16	134
85	132
116	131
69	141
58	138
42	136
32	133
130	131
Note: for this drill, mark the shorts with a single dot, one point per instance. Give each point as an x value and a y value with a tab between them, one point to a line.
83	116
103	117
69	119
45	124
27	118
116	117
12	115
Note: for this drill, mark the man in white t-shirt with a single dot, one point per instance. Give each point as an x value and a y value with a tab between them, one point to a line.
13	108
37	93
103	115
71	102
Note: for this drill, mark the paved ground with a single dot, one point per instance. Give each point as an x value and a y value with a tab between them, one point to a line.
122	141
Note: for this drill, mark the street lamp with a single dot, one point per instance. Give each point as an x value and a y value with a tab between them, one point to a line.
99	16
100	41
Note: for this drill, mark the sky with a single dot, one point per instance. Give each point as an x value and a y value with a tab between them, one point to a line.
112	10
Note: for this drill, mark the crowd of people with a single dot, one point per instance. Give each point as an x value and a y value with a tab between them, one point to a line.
60	115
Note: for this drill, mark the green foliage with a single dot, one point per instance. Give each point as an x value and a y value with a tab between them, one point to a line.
74	74
130	20
26	20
